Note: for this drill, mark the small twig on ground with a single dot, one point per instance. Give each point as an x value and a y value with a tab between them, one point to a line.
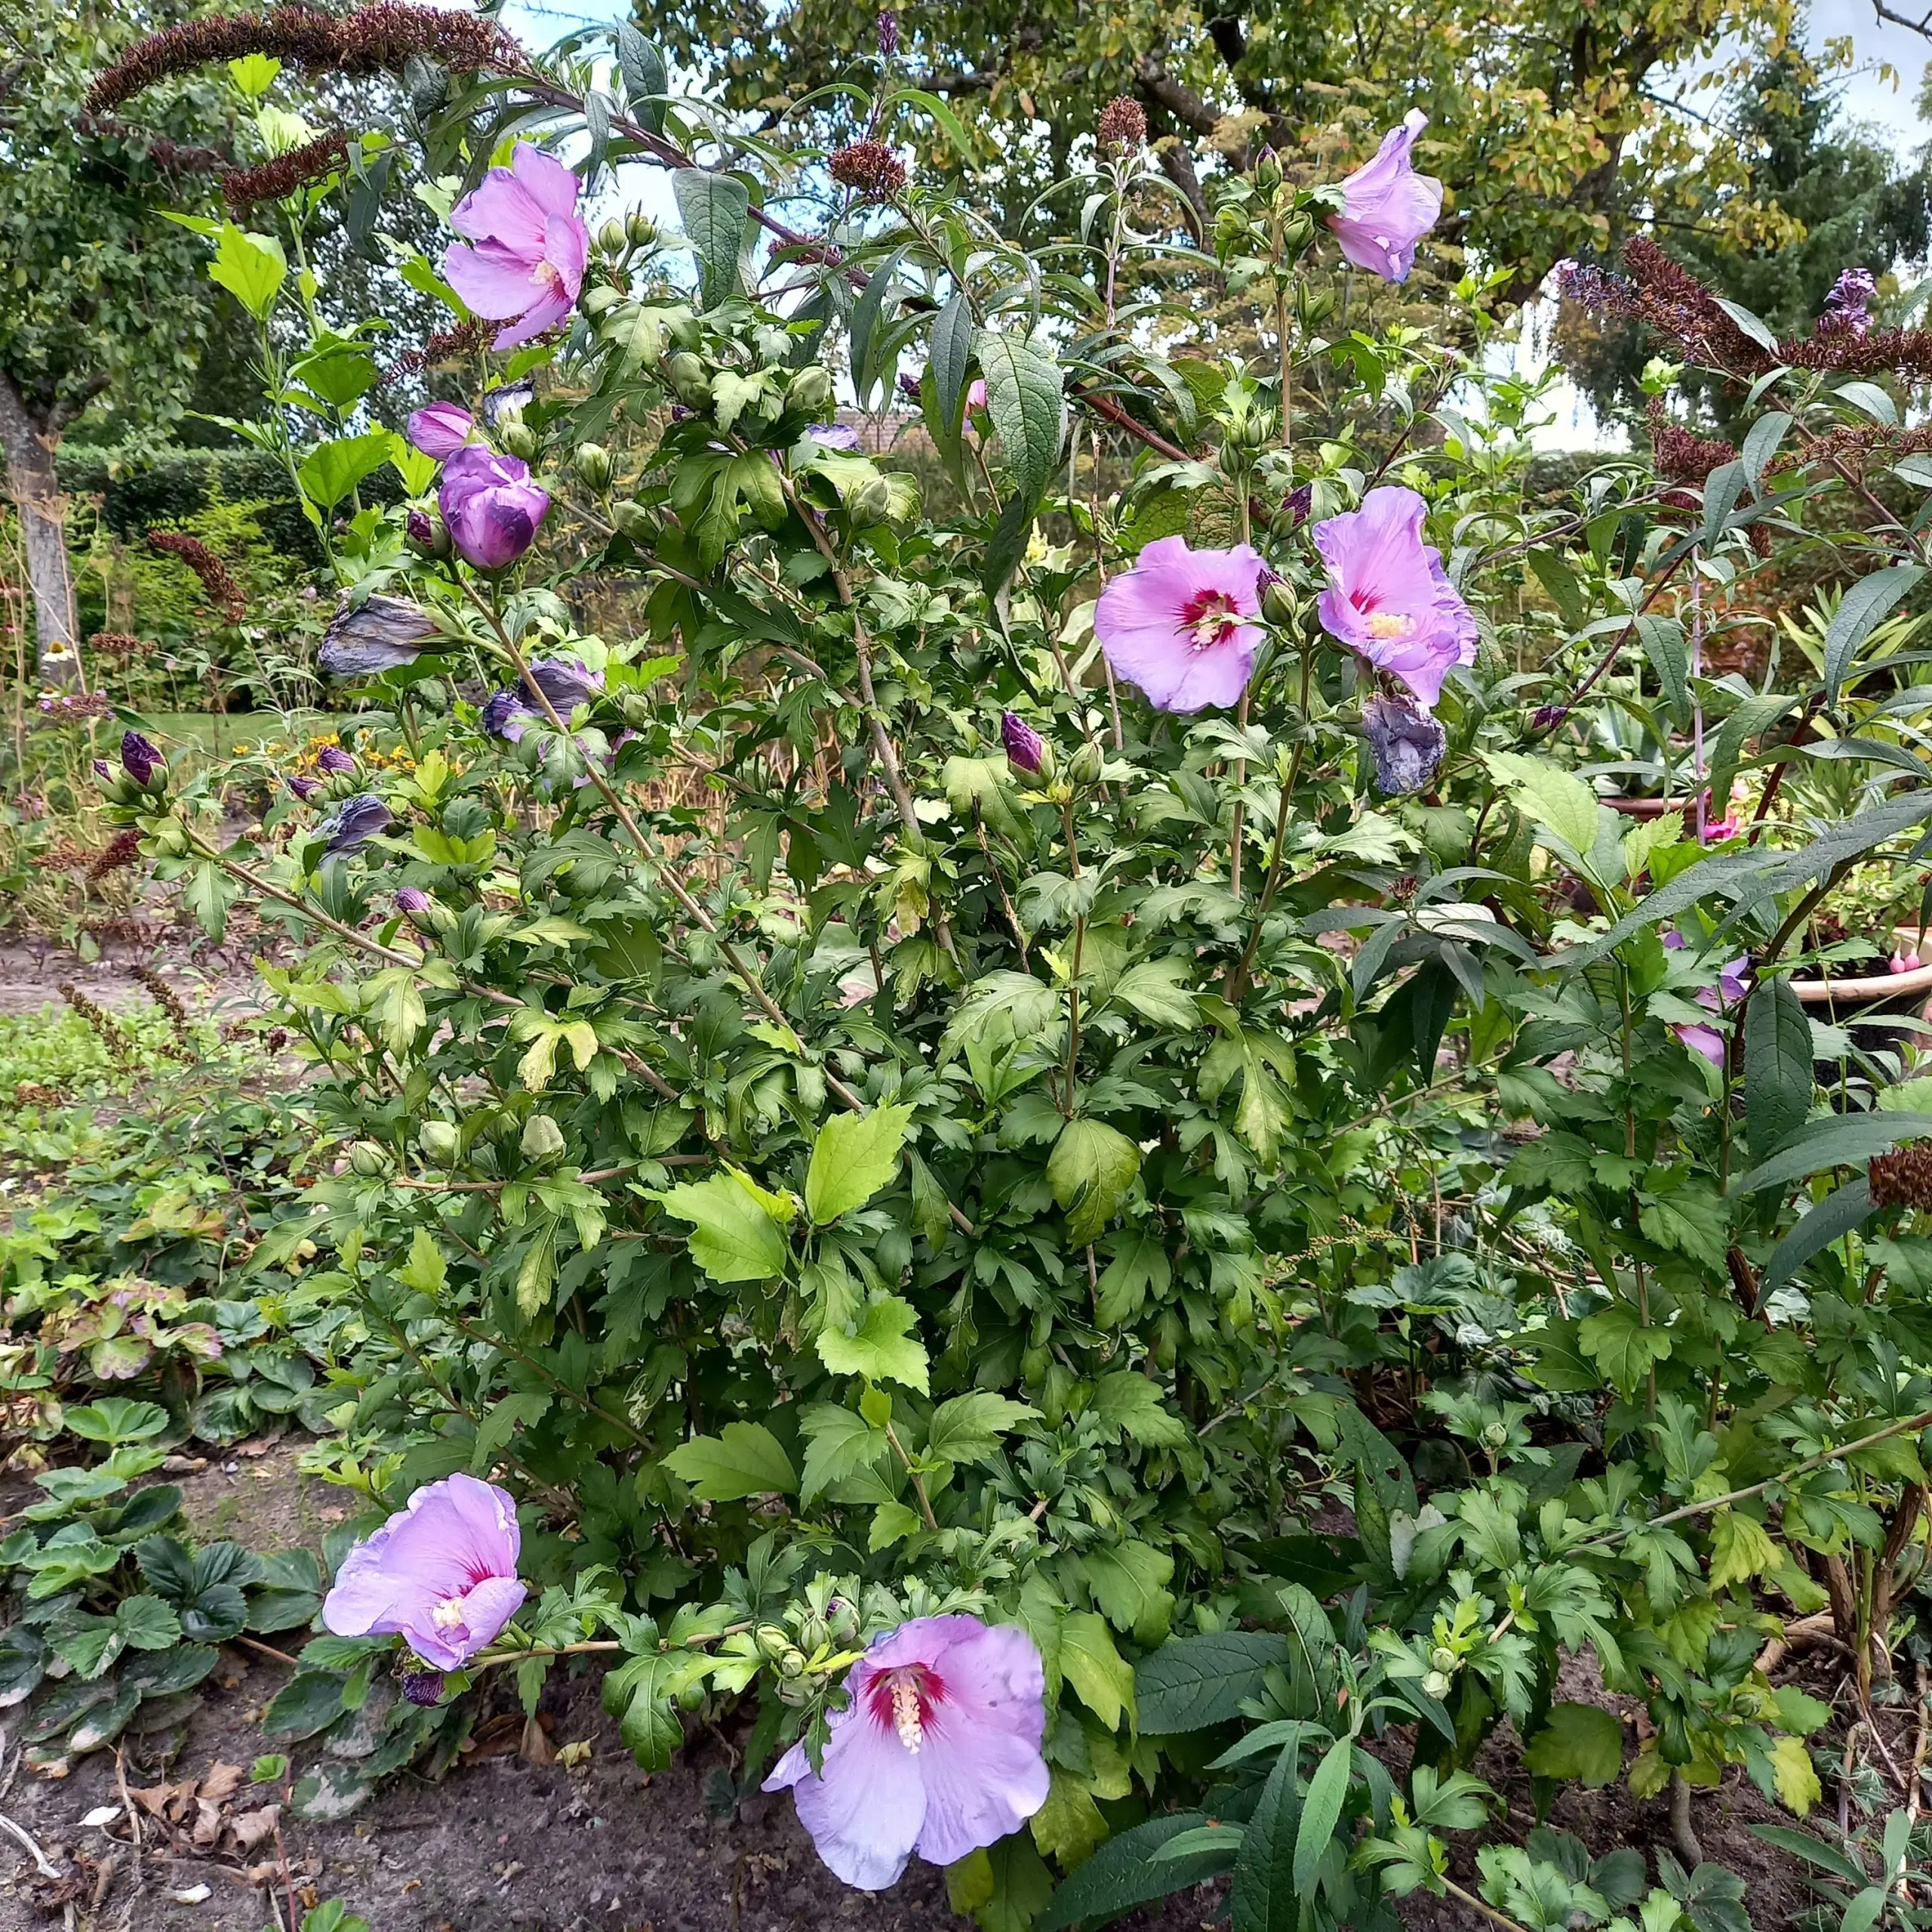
268	1650
26	1839
127	1806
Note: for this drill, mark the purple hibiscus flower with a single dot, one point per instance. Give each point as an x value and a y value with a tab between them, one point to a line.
1176	624
442	428
141	759
1388	597
1734	985
355	822
491	506
834	435
1388	206
937	1750
1406	742
504	714
379	634
441	1574
528	263
567	682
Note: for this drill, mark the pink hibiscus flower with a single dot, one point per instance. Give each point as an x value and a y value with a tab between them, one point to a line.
1388	597
530	246
442	1573
1175	624
1389	207
937	1750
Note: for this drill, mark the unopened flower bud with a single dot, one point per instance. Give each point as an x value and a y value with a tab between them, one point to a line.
792	1663
542	1138
1025	749
428	535
103	771
774	1641
842	1618
370	1159
639	229
1495	1436
592	462
690	381
1436	1684
1297	231
638	521
611	237
141	761
1084	768
1268	172
441	1140
814	1634
1255	430
871	502
519	438
1278	603
1442	1658
809	391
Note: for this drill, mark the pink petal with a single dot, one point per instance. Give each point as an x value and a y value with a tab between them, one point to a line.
493	282
993	1672
1705	1040
551	185
566	248
546	312
865	1813
1388	207
982	1781
501	210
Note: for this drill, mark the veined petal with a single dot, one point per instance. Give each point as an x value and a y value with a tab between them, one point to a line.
865	1813
551	185
982	1781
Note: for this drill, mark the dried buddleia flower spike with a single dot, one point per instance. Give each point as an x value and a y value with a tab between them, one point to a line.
1122	126
870	168
1903	1177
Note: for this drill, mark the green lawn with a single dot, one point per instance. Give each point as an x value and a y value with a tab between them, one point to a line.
209	732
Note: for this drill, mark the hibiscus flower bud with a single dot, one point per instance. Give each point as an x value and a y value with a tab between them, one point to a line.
1278	603
141	761
103	771
638	521
1084	767
1442	1658
809	391
441	1141
304	789
871	502
1436	1684
412	901
333	759
1025	749
370	1159
639	229
428	535
543	1139
611	237
1547	717
592	462
519	440
690	381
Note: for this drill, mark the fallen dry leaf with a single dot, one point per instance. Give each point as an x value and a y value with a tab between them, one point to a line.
250	1827
536	1749
207	1822
223	1781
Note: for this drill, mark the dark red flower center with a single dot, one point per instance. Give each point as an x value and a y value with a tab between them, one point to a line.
904	1701
1209	617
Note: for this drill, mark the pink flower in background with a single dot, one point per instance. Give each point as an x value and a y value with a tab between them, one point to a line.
440	428
1388	207
1734	985
491	506
1705	1040
1388	597
530	246
937	1751
1903	962
440	1573
1176	623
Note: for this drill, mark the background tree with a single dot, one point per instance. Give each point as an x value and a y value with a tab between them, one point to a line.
1815	193
1548	115
100	303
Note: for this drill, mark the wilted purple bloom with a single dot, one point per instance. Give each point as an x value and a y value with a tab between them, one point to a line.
423	1688
440	428
1023	744
491	506
908	385
1547	717
304	789
511	399
503	715
567	682
937	1750
1848	308
379	634
1388	207
1176	624
140	759
440	1574
354	822
411	899
834	435
334	760
1389	597
1407	743
530	245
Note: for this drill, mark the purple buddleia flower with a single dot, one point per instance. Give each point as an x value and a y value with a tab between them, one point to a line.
378	634
441	1574
334	760
1406	744
937	1750
1023	744
888	35
1848	308
140	759
355	822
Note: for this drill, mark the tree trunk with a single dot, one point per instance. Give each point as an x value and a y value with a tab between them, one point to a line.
36	488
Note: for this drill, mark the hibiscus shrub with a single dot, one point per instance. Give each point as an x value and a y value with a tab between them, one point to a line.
1042	1128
